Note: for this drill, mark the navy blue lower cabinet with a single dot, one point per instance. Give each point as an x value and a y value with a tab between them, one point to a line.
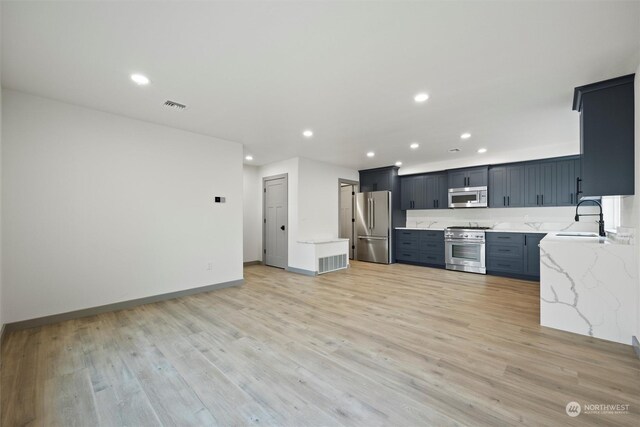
421	247
514	254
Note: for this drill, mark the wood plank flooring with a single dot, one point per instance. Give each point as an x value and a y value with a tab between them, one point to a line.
373	345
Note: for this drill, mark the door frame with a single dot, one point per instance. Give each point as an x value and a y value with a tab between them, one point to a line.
264	216
356	189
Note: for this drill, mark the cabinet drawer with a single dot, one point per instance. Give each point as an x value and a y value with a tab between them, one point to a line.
433	258
407	255
432	246
408	244
434	235
514	238
405	235
507	265
504	251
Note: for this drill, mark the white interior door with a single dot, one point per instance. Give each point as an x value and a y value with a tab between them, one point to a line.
275	222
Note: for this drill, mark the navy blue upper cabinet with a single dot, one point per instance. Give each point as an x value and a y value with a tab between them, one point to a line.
540	184
375	180
436	195
606	136
506	186
567	175
413	192
472	177
427	191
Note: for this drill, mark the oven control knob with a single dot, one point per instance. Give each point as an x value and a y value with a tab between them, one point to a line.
465	235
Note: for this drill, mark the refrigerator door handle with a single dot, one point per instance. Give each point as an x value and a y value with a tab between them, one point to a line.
373	215
371	238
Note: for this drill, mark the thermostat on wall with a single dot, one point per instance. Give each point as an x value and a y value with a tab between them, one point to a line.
220	199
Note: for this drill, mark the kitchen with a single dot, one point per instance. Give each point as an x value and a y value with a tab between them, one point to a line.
505	219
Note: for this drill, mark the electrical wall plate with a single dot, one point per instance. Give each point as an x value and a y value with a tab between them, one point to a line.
219	199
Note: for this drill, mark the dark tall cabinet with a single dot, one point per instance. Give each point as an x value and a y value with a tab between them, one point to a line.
606	136
386	179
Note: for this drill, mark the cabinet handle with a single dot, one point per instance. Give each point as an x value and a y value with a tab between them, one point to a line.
508	200
504	200
578	190
571	194
504	237
525	240
504	250
542	199
537	199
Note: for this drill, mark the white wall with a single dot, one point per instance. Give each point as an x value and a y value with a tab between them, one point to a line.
313	203
252	214
460	160
100	208
630	205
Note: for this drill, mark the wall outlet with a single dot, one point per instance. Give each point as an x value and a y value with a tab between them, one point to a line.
210	266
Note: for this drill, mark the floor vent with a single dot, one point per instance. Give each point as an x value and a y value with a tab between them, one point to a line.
332	263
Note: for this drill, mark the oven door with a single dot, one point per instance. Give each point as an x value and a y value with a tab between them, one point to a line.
466	256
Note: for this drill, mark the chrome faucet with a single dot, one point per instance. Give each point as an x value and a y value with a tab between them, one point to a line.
600	222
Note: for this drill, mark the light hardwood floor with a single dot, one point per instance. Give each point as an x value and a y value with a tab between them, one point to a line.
374	345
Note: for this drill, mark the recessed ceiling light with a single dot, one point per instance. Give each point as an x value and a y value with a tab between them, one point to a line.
398	164
140	79
307	133
414	145
421	97
454	150
249	157
482	150
465	135
371	154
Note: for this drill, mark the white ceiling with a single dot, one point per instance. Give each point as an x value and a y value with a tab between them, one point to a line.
259	73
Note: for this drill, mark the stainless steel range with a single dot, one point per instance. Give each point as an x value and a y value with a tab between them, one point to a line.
465	249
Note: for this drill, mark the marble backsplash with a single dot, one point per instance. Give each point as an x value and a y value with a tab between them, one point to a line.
521	219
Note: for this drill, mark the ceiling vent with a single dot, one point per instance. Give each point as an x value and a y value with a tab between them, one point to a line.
175	105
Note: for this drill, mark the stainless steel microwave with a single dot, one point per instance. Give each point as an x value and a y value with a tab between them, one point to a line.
468	197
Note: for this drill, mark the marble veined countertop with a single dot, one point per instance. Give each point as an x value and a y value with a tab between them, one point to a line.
323	241
587	286
507	230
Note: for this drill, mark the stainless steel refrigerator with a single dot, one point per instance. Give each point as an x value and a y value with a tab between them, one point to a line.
373	227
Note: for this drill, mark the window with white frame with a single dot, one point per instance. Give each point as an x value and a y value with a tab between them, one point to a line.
611	211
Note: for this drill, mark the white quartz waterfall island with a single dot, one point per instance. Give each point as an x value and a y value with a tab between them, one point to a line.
587	286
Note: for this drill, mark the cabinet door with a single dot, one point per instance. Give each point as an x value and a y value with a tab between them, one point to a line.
406	192
442	188
515	186
420	193
577	169
532	184
457	179
498	187
366	182
547	184
478	177
607	140
565	183
532	253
